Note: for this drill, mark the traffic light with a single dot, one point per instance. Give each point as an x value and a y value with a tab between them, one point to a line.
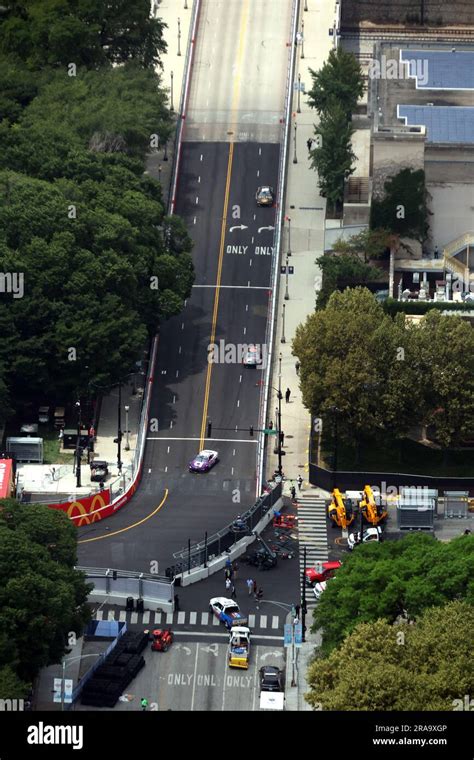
209	429
251	430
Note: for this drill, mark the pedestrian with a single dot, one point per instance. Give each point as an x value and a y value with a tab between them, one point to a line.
309	143
300	482
436	252
228	584
297	367
233	592
293	492
249	583
255	588
228	563
259	595
235	568
297	611
227	573
144	703
176	603
287	395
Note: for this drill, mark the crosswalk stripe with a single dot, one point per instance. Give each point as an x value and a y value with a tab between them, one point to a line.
263	621
275	621
157	618
146	617
181	616
204	618
122	616
111	615
192	618
169	618
99	615
252	621
134	618
215	621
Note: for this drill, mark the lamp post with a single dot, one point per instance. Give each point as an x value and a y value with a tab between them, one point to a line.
165	156
303	597
78	446
283	339
127	442
302	38
179	36
288	219
287	295
299	94
119	428
171	92
335	412
305	5
295	160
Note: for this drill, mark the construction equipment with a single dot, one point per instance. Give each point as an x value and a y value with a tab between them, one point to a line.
371	507
342	510
239	647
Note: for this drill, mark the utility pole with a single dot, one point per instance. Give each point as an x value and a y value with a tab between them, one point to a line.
171	93
303	597
119	424
295	160
283	339
299	94
288	219
179	36
287	295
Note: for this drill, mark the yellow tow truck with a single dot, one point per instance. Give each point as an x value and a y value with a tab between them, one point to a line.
239	647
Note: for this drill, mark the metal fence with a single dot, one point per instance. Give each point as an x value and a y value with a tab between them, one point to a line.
117	585
198	555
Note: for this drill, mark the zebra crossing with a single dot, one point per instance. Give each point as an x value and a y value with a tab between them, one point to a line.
312	530
183	618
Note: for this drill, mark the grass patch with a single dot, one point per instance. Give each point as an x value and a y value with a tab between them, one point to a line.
51	449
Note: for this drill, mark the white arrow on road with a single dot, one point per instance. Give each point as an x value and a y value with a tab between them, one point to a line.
260	229
269	654
185	649
212	649
239	227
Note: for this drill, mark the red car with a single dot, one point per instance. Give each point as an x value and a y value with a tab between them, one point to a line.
321	572
161	640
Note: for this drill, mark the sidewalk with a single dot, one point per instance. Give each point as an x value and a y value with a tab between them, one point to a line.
306	209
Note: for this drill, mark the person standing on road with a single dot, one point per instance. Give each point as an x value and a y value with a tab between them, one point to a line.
144	703
250	585
287	395
255	588
235	568
233	593
297	367
258	595
293	492
300	482
228	584
176	603
227	573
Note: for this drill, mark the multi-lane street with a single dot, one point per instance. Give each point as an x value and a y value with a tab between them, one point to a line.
231	147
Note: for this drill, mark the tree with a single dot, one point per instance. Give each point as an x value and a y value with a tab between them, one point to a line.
339	80
334	158
42	597
380	666
348	353
12	687
395	578
370	244
339	272
403	210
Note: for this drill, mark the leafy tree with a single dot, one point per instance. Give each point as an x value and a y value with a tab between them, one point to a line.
42	597
370	244
339	80
344	270
334	158
395	578
403	210
12	687
348	353
90	33
380	666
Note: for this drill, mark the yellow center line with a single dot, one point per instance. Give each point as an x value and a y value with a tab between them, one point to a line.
135	525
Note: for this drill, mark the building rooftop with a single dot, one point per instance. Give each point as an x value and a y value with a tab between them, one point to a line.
444	124
440	69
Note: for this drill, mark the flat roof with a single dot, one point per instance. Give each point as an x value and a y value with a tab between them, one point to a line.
440	69
444	124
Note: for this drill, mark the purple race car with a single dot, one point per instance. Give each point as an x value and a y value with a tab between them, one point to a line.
204	461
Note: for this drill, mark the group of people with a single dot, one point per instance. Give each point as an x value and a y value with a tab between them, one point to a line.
230	572
254	589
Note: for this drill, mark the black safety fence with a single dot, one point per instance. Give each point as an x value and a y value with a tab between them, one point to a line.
198	555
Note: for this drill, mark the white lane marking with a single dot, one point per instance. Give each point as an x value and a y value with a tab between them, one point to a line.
233	453
235	287
122	616
134	618
238	403
200	157
177	372
245	331
168	450
275	621
166	468
179	350
194	220
185	301
246	307
171	424
182	325
218	440
263	621
251	621
248	284
192	618
174	399
199	179
232	471
194	679
258	173
204	618
169	618
197	199
181	617
250	262
259	151
254	694
215	621
157	618
240	379
146	617
149	470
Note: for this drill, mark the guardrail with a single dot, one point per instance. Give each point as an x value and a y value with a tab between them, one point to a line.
274	276
114	586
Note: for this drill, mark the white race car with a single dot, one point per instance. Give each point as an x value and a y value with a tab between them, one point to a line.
227	611
204	461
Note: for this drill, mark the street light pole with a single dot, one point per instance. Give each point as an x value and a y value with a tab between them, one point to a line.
299	93
78	446
283	339
302	38
305	5
179	36
119	433
295	160
287	295
288	219
171	92
303	597
127	442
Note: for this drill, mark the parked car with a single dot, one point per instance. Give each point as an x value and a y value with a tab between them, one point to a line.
321	572
370	535
271	678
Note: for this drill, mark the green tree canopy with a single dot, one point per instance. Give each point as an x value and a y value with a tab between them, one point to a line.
42	597
341	271
380	666
369	244
334	158
339	80
395	578
403	210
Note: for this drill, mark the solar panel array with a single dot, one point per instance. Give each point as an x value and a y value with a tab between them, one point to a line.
445	124
441	70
